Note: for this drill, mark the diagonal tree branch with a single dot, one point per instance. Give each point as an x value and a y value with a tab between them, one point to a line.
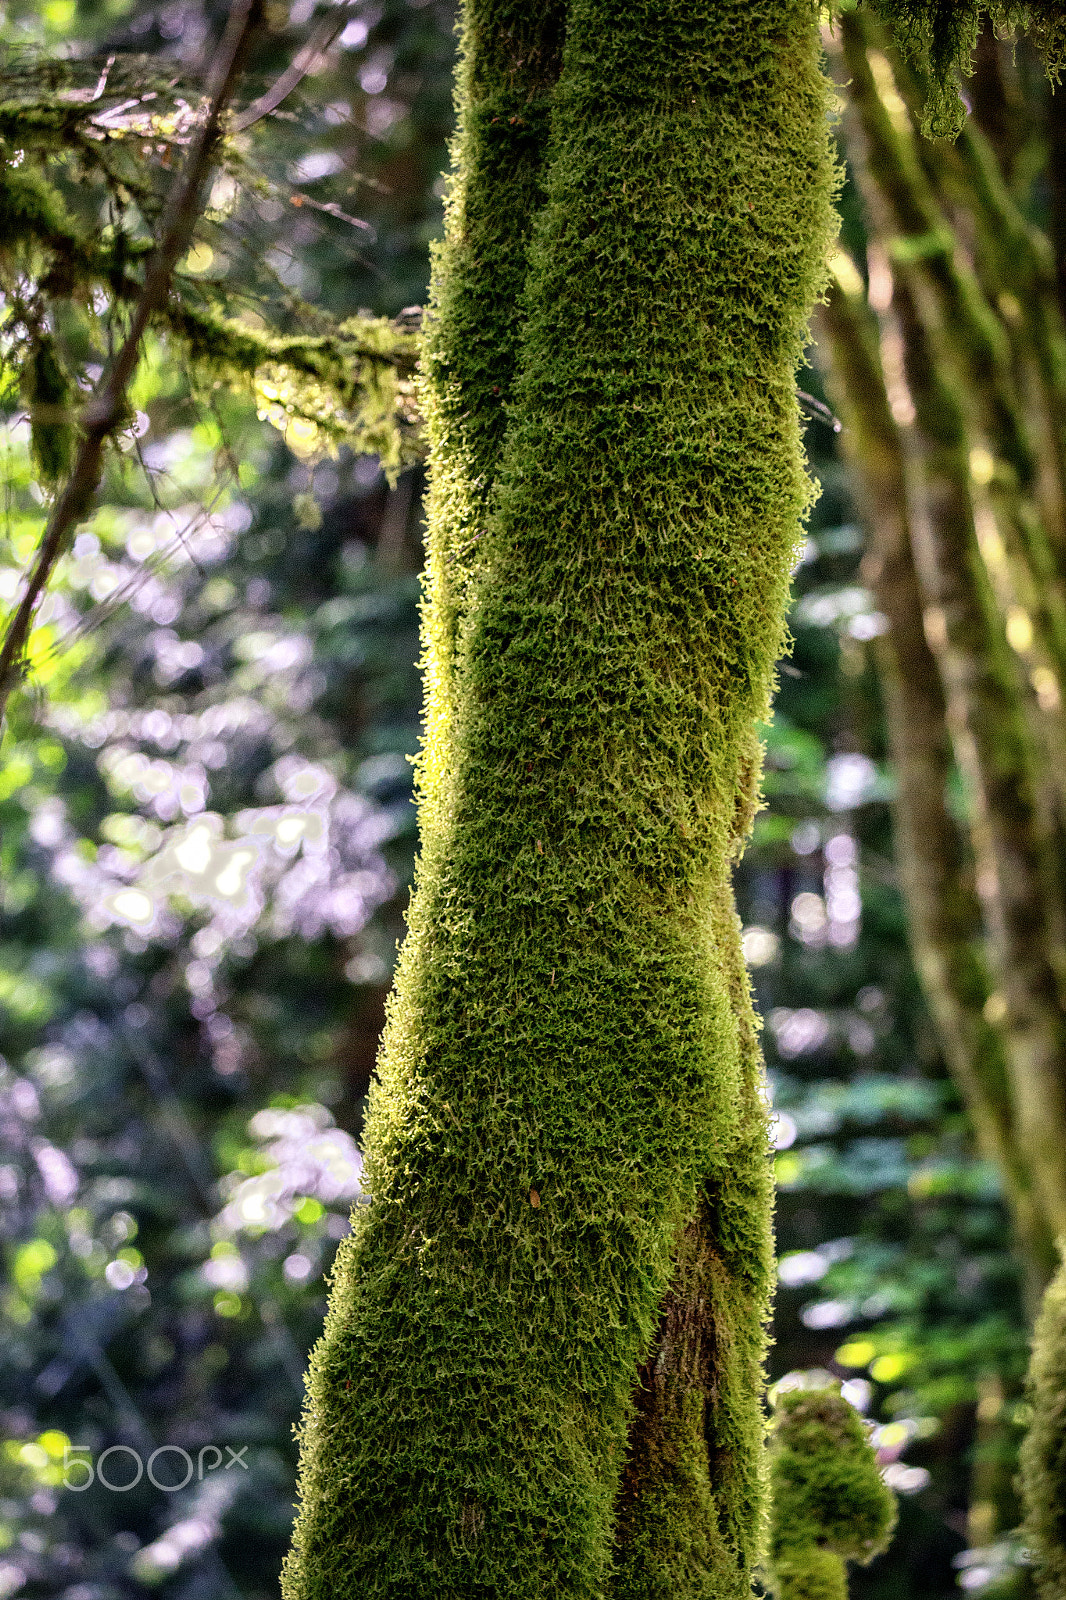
302	63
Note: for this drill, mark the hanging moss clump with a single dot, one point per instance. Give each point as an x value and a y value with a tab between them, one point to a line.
830	1503
1043	1452
565	1073
940	36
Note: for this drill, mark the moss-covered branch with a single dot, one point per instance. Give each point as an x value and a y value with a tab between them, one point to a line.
354	381
108	405
510	60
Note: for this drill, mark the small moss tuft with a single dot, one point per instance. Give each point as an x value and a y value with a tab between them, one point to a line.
812	1574
830	1503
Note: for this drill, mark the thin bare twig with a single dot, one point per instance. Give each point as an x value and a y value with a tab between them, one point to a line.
819	409
107	407
303	62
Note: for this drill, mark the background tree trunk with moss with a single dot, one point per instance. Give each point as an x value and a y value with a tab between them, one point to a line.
947	361
953	390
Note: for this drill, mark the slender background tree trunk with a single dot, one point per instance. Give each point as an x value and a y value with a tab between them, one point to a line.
934	426
937	878
951	386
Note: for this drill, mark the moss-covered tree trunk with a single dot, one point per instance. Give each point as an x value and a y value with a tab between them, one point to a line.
568	1120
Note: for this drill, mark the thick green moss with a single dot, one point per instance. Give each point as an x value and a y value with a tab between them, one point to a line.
567	1079
941	36
509	62
830	1503
691	1511
1043	1453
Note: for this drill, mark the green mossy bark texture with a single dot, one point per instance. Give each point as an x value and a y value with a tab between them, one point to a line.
567	1078
510	57
830	1503
1043	1452
692	1507
667	1533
